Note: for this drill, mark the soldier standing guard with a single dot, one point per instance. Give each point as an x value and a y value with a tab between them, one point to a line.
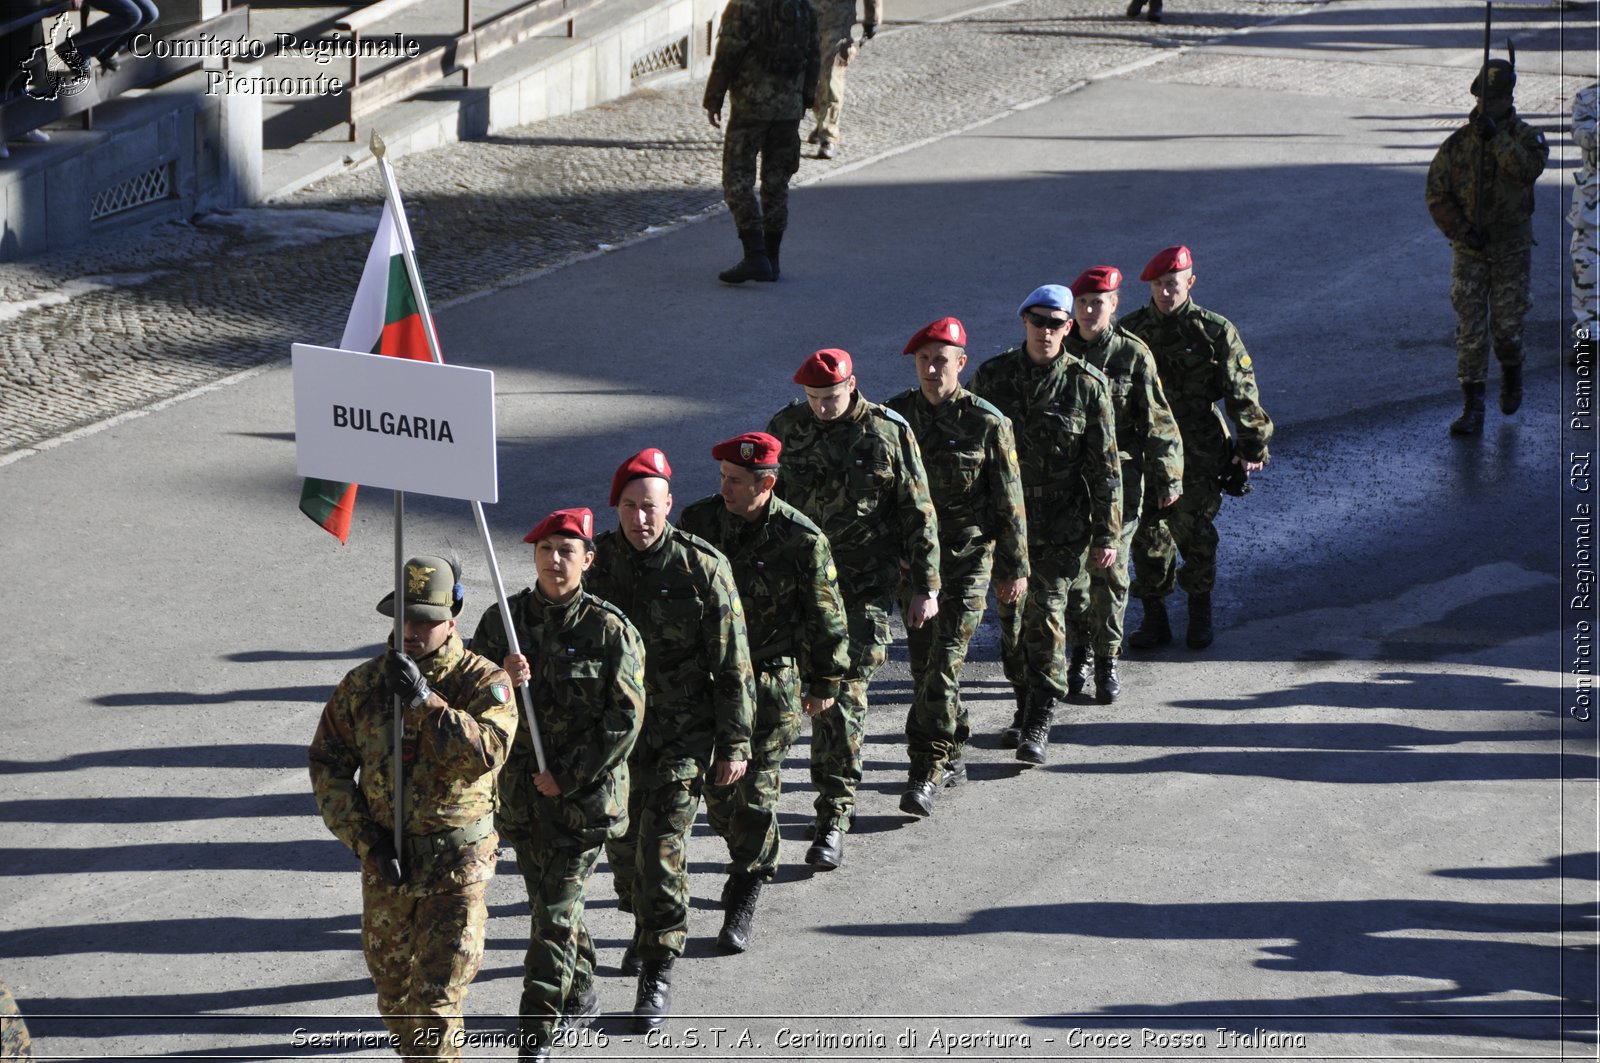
422	909
795	617
1480	193
853	467
1060	408
1584	217
679	592
971	460
586	665
835	20
767	56
1151	452
1200	359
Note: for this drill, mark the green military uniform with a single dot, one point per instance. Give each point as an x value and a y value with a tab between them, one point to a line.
970	456
798	634
681	596
1151	451
835	21
1201	360
423	939
860	479
1072	483
588	688
15	1044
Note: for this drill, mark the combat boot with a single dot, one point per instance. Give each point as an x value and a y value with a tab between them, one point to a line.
1470	423
1036	731
1134	7
1154	629
1199	635
1155	11
739	898
653	1003
754	265
827	852
1106	684
630	956
1510	388
533	1045
918	798
1078	670
580	1010
955	774
774	243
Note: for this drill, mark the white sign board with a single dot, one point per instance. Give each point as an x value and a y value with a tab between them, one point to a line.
396	423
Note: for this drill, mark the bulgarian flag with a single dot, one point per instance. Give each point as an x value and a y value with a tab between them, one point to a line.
384	319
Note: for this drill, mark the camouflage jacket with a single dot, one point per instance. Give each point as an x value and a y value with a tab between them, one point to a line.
753	62
1147	434
860	479
681	596
784	568
1513	159
1202	359
453	745
1066	447
588	702
1585	211
15	1042
971	458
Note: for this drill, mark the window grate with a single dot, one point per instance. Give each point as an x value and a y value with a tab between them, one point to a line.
136	191
665	58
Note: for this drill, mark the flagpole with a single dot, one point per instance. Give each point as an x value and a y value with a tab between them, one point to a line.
391	192
399	647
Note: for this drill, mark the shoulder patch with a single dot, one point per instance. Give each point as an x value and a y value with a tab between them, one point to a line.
738	606
831	572
1245	363
501	692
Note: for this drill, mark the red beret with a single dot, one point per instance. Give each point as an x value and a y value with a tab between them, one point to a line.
754	450
824	369
578	523
1167	260
1098	279
648	462
944	330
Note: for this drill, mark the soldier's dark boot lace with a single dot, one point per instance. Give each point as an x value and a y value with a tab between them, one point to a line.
1078	670
1470	423
653	1003
1199	635
1013	734
1510	388
1036	732
754	265
1154	629
739	898
774	245
1106	684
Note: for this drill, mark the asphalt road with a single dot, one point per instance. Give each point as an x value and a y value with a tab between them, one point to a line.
1361	825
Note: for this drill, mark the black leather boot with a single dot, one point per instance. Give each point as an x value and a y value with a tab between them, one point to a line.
1470	423
774	243
1199	635
1154	629
630	956
739	898
1078	670
754	265
1013	734
1510	388
653	1003
918	798
1134	7
580	1010
1155	11
827	852
1106	684
1036	731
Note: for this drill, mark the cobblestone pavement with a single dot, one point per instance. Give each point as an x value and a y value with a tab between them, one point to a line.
90	334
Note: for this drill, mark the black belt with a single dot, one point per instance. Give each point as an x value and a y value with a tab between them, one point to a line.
445	840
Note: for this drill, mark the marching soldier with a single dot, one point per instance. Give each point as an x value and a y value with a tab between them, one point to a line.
1151	452
1200	359
1060	409
422	910
679	592
971	460
835	20
852	466
586	666
795	617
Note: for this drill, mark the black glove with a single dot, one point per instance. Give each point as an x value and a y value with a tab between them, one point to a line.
388	862
1475	239
405	679
1234	479
869	30
1484	126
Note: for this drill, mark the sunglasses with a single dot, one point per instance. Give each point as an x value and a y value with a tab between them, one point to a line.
1044	321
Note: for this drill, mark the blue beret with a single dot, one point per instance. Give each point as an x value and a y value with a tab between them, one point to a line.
1055	296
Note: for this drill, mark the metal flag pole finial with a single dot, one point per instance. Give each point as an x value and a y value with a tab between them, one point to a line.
376	145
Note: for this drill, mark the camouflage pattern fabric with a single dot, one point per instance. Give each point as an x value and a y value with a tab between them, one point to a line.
681	596
559	964
1151	451
836	49
1512	159
15	1043
1201	360
777	147
1491	297
1584	215
976	486
836	735
762	89
1072	486
795	617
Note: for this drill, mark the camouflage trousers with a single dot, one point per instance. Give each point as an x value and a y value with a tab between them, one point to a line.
1187	529
559	963
1585	249
836	735
745	815
650	863
837	52
937	728
423	951
777	144
15	1044
1491	297
1033	632
1107	592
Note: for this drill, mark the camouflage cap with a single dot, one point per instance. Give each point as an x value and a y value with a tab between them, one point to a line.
433	590
1502	78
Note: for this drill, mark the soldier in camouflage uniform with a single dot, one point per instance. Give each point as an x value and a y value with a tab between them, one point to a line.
835	19
853	467
1151	451
679	592
15	1044
422	912
1060	409
586	665
767	57
1584	217
795	617
971	460
1480	193
1200	359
